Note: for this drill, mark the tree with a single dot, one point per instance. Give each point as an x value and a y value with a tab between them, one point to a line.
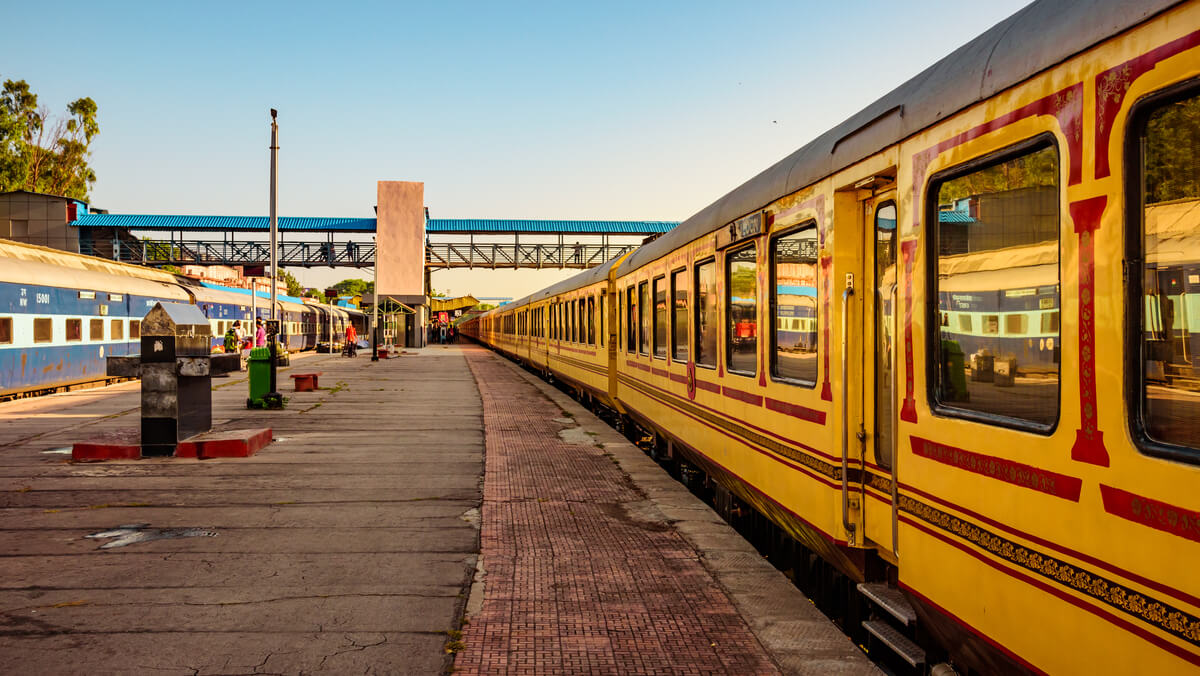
41	153
354	287
293	287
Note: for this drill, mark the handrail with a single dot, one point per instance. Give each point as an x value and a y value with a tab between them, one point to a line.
895	418
850	527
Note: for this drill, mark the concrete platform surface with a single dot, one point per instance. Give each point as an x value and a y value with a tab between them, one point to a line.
340	548
352	543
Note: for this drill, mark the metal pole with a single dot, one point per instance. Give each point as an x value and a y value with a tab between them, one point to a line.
274	396
375	306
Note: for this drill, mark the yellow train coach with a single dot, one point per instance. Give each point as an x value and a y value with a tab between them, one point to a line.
951	347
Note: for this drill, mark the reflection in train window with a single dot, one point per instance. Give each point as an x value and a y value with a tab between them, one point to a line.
997	257
6	332
591	320
135	329
644	318
74	330
707	323
630	319
1170	253
794	303
679	320
741	336
117	330
660	317
43	330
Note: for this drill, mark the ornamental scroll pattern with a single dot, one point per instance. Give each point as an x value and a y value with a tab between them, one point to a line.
1158	614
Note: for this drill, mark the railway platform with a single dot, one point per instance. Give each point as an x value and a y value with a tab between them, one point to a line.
440	511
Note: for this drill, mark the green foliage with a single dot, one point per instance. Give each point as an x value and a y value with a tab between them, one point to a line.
171	269
437	294
485	306
354	287
1039	169
293	287
41	154
1173	152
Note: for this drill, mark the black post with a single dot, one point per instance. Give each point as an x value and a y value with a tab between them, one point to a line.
375	343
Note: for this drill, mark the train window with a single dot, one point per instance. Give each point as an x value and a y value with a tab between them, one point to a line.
660	317
582	320
794	304
741	336
644	318
6	332
591	317
997	252
964	323
630	319
707	321
117	329
600	322
1165	205
43	330
74	329
135	329
679	319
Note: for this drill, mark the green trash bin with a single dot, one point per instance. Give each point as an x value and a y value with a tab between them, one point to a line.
258	368
954	375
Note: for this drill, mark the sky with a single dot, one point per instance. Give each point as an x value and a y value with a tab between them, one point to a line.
644	110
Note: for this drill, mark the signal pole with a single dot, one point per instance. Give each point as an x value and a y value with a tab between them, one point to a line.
273	398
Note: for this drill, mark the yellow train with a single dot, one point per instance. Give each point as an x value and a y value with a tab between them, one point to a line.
983	408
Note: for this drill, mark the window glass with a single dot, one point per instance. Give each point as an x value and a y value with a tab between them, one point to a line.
1170	241
43	330
794	299
135	329
117	330
582	320
679	320
74	329
644	318
707	323
591	320
997	257
6	332
601	321
660	317
630	319
741	337
885	331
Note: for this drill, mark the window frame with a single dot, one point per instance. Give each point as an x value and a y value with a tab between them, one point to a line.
773	305
655	284
643	343
711	260
8	322
630	332
591	319
1135	348
931	226
67	330
727	328
93	323
49	322
673	329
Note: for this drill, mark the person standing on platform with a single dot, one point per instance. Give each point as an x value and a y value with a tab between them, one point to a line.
351	341
260	333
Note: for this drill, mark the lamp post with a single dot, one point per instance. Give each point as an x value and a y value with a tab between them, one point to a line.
375	306
273	398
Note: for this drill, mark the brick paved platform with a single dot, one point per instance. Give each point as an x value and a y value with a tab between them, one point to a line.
582	574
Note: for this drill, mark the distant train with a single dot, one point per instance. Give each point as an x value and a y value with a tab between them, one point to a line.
947	351
61	314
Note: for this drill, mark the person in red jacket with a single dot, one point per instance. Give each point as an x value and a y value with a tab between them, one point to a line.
351	341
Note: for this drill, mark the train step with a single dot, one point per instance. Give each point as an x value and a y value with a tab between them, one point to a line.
899	643
890	599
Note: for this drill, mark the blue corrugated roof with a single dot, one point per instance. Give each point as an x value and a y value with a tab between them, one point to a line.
319	224
219	223
550	227
949	216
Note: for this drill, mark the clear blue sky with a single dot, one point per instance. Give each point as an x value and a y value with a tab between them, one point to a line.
606	110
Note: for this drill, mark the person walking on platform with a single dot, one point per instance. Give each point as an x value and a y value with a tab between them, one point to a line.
260	333
351	341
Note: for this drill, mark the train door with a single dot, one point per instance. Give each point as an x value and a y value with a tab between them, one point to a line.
879	291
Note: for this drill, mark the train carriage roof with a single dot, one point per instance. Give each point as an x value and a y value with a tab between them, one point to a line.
1037	37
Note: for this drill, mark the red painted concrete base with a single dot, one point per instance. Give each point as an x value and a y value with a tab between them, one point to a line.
126	445
118	445
231	444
